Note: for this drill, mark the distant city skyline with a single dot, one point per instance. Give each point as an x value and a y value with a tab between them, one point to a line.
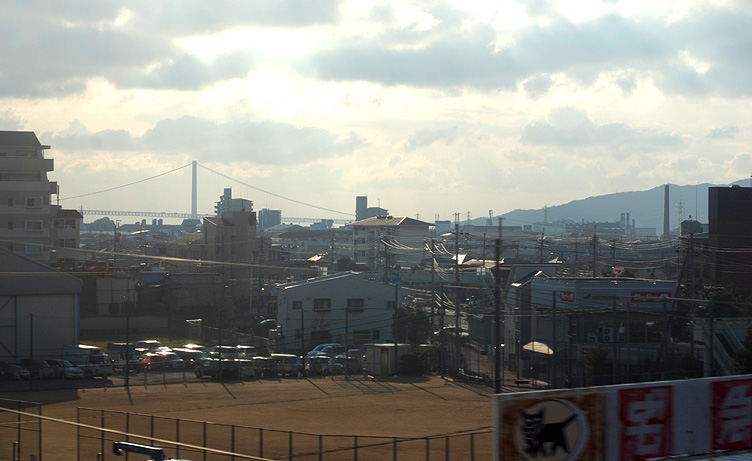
429	109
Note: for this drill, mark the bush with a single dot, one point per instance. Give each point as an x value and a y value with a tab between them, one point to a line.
410	365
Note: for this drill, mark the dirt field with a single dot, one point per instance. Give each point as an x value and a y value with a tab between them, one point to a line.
395	408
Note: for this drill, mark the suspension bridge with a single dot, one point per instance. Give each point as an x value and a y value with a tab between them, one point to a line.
343	217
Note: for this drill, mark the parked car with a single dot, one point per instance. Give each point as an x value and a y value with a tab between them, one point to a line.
288	364
65	369
13	372
327	349
321	365
192	357
38	368
354	364
246	368
154	361
264	366
246	352
151	345
225	352
196	347
174	362
224	369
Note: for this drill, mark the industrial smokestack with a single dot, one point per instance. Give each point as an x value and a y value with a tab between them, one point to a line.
666	233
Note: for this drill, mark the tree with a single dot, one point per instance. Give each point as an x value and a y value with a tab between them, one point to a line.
413	325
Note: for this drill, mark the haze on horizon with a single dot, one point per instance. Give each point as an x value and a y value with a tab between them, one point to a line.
426	107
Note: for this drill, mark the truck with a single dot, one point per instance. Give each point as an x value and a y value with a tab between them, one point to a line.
120	353
91	359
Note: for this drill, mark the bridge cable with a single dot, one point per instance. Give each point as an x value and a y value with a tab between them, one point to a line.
126	185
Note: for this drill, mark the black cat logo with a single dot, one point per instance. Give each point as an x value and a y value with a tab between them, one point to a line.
550	430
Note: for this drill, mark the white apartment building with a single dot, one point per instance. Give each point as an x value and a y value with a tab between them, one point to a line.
29	223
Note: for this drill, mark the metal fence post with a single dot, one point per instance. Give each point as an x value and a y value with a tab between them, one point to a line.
177	437
355	448
39	422
18	425
101	433
261	442
394	449
428	449
446	448
232	441
151	429
204	440
321	447
289	444
472	447
78	433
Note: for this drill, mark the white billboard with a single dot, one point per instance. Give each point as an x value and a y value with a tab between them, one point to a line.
625	422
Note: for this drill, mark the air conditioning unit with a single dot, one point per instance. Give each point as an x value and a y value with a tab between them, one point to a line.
592	338
608	335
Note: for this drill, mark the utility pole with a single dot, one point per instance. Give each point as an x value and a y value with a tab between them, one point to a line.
595	253
433	288
553	349
498	348
457	324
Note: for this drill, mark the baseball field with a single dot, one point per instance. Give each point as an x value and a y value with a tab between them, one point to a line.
288	415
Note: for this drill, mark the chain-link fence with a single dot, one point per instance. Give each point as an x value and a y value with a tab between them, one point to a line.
99	428
20	431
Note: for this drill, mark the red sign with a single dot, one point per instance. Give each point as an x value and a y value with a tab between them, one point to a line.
732	414
566	296
650	296
646	416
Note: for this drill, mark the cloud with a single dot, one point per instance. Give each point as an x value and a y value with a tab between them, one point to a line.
134	46
462	56
264	142
424	138
9	121
726	132
568	127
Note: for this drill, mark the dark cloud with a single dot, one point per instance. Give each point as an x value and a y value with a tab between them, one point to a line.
464	57
72	42
570	128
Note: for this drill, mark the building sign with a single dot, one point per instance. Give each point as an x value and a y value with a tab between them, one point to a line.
732	414
566	296
646	418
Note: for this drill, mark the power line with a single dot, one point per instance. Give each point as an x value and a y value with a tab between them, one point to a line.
273	194
127	185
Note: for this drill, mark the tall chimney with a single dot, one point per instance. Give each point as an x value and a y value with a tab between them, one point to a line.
666	233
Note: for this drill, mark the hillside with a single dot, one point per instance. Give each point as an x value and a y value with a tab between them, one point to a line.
644	207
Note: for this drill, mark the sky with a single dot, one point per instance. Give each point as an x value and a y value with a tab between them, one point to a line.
430	108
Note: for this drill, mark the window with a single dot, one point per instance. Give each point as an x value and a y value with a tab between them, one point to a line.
59	223
33	202
356	304
322	305
10	225
34	226
297	305
10	201
70	223
32	249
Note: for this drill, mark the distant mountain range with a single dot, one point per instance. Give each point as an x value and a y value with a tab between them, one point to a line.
644	207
